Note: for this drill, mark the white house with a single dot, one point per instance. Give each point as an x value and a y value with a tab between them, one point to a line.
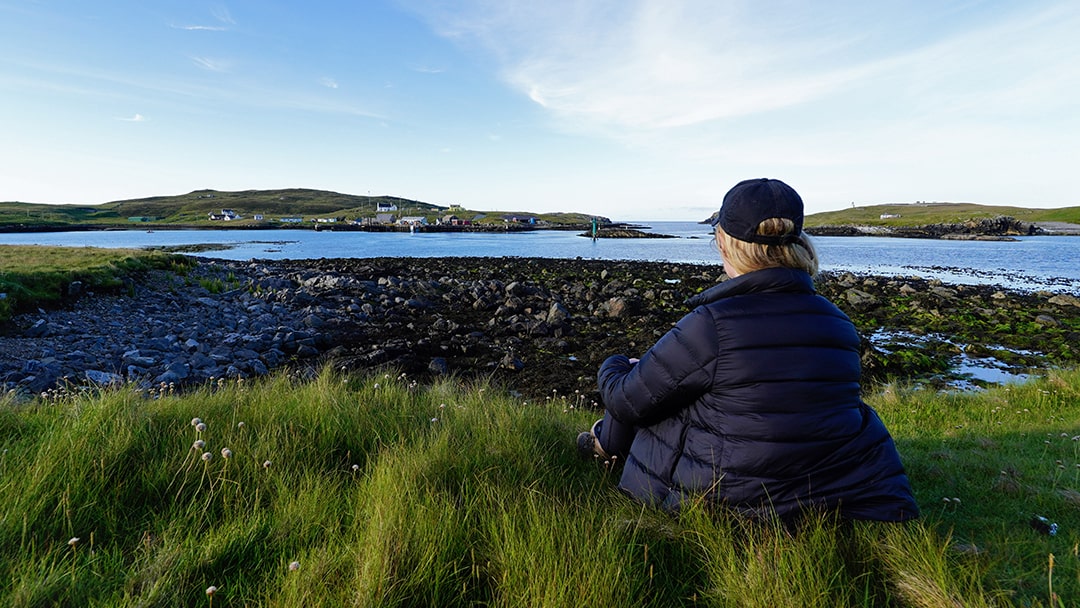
226	215
384	207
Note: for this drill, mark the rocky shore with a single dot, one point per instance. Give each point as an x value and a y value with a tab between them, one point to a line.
536	326
998	228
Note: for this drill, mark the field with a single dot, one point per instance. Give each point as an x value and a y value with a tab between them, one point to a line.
374	491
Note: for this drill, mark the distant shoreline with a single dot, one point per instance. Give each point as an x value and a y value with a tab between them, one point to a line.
499	228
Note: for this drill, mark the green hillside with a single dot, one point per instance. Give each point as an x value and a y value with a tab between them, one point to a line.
913	214
194	209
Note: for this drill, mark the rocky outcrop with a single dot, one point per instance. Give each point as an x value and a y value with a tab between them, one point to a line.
627	233
998	228
539	326
165	330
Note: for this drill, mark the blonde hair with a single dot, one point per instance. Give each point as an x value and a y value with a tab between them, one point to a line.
744	257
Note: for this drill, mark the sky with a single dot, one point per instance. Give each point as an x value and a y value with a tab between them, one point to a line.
629	109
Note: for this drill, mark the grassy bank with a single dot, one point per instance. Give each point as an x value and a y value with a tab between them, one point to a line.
34	275
373	491
918	214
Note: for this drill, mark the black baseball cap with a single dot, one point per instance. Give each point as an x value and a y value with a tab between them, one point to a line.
753	201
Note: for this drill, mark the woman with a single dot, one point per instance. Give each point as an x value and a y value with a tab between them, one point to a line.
753	399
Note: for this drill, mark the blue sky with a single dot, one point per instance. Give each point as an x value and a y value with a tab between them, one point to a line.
632	109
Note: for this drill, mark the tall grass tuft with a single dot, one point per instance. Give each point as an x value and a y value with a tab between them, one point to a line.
371	490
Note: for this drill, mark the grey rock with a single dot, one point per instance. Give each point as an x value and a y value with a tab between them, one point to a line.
39	329
557	315
1065	300
103	378
1047	320
860	299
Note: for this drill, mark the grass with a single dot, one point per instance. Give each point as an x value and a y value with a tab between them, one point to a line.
33	275
193	209
374	491
918	214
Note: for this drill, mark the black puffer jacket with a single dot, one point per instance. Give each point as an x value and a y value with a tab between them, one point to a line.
753	400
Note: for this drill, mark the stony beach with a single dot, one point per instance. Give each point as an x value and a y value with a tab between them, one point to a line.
536	326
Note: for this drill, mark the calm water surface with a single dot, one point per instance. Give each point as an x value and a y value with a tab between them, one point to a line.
1043	262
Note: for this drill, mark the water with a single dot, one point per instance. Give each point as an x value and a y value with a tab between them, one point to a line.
1030	263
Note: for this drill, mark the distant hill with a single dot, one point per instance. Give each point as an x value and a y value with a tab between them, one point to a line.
194	209
916	214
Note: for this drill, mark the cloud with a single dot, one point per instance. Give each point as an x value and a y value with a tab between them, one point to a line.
200	28
221	13
329	83
643	65
135	118
427	70
649	63
211	64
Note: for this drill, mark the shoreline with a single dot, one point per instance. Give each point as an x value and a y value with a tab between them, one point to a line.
533	324
1003	229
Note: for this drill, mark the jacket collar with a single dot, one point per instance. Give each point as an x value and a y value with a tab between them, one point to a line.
758	281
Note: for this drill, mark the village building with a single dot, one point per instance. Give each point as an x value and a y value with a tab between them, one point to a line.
225	215
453	220
517	219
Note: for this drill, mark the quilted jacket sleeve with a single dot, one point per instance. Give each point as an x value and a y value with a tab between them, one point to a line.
670	376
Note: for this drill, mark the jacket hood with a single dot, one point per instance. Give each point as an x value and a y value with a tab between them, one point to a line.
758	281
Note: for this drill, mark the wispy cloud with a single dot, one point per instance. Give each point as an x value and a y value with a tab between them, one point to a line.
222	14
135	118
667	64
211	64
427	69
200	28
329	83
